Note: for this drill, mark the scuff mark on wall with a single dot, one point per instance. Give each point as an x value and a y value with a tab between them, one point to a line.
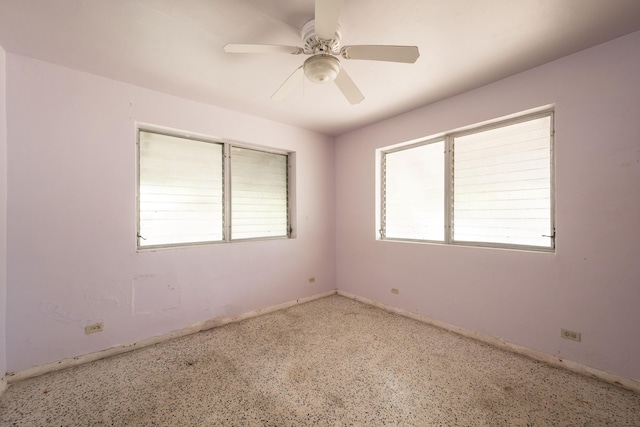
56	312
109	302
229	310
153	293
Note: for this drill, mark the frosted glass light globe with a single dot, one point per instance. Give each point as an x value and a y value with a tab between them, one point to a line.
322	68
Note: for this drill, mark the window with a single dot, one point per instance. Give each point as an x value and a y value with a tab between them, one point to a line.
193	191
488	186
414	189
258	194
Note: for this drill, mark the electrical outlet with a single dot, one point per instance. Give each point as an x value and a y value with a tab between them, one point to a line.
570	335
312	279
92	329
395	291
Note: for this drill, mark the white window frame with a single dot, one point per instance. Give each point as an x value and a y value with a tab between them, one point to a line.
227	236
449	179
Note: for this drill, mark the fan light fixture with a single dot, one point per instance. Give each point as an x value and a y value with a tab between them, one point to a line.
322	68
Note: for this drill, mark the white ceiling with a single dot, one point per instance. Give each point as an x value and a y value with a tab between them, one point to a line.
175	46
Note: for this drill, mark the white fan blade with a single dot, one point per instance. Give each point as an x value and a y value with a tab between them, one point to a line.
327	14
287	87
262	48
408	54
348	88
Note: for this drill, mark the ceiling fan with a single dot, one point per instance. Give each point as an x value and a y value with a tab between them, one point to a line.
321	39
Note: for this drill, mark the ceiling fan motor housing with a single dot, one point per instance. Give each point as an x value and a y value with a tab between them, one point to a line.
314	45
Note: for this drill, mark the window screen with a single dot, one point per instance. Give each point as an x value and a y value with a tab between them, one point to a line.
502	184
180	190
258	194
414	196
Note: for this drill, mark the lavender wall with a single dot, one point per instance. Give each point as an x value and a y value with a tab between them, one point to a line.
72	219
591	284
3	218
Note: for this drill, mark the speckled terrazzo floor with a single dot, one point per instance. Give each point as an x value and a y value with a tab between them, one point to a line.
330	362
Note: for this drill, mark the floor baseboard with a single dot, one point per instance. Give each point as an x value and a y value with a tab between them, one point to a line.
506	345
608	377
12	377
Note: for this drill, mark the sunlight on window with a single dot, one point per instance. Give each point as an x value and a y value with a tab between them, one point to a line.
502	184
489	186
180	190
414	196
258	194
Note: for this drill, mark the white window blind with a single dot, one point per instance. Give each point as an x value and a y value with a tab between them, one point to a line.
414	193
502	184
258	194
180	190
